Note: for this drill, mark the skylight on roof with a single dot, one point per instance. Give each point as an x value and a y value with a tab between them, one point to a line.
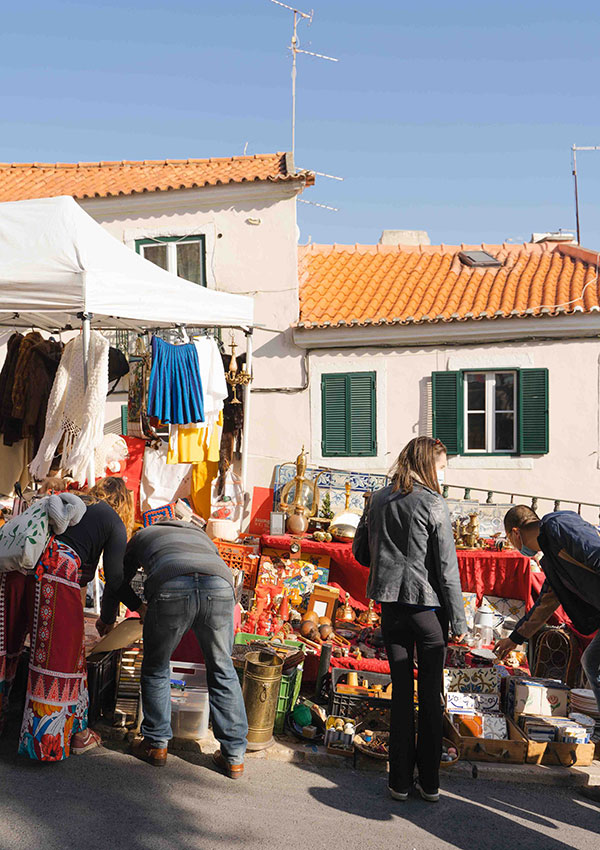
479	259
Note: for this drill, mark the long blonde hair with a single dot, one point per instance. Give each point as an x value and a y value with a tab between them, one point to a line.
416	462
114	491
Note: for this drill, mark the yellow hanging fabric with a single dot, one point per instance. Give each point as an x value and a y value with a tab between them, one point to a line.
195	443
202	477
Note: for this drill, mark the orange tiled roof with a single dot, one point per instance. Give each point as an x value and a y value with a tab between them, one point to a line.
23	180
390	284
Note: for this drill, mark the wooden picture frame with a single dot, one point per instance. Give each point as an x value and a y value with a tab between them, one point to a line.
323	600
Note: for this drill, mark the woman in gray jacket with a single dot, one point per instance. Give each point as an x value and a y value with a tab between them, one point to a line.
405	537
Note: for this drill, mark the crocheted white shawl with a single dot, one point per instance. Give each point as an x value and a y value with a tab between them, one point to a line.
75	415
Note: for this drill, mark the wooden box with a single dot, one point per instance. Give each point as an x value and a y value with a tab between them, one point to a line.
514	750
556	754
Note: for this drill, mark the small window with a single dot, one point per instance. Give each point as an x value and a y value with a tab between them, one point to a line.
184	256
490	412
500	411
348	420
479	259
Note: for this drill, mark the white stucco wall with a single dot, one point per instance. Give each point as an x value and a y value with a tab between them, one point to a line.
571	470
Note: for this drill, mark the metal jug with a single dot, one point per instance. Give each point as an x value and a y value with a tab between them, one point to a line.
262	680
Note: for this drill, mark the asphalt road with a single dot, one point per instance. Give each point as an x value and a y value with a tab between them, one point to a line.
106	799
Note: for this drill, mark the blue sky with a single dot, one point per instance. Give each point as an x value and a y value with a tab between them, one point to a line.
451	117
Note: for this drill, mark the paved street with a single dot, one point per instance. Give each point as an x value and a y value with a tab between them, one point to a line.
107	800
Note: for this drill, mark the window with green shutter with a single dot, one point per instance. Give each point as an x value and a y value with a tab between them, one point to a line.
348	415
491	412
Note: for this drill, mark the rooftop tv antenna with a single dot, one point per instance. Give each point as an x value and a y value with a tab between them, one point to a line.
295	49
574	150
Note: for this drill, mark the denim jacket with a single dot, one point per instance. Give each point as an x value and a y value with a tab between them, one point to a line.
406	539
571	563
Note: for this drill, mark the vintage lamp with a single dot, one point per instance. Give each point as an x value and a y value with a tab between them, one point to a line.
300	496
343	525
234	376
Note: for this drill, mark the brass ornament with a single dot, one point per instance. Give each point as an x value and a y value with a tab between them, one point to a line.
234	376
301	494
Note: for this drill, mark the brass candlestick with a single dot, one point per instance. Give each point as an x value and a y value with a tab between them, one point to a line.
236	377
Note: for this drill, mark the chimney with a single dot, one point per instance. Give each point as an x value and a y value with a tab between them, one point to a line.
404	237
557	236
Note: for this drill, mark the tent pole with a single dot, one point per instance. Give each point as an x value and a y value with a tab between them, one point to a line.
246	429
90	473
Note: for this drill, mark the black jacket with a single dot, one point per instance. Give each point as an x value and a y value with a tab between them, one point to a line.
406	539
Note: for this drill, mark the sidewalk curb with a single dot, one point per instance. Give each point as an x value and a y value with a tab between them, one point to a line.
292	751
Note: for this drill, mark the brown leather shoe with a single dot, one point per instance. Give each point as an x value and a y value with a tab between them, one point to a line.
233	771
143	749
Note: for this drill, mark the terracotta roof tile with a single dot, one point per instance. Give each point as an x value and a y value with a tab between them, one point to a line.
23	180
366	284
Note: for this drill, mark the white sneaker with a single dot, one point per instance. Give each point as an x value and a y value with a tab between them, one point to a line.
398	795
431	798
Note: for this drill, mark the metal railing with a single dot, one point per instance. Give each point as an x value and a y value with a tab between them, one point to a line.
558	503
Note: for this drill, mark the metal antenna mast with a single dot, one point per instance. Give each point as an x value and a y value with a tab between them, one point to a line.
299	16
574	149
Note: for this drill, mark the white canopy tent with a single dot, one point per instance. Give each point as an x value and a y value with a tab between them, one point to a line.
61	270
57	264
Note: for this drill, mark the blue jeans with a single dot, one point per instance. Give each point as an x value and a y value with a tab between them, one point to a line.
205	604
590	661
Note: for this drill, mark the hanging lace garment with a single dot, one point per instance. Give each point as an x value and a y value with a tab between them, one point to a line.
74	415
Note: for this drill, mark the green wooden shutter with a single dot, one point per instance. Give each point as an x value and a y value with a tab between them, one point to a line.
124	420
348	415
533	412
333	415
361	398
447	396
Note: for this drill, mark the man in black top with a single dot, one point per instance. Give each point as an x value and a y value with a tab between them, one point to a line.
188	586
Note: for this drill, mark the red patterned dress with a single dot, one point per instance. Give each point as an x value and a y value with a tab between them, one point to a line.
48	607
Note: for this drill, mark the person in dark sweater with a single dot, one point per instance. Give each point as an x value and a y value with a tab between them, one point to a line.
188	586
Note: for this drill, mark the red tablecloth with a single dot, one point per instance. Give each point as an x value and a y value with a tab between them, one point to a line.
504	573
343	569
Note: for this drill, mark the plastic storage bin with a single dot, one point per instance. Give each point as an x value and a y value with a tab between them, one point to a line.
346	705
194	675
189	714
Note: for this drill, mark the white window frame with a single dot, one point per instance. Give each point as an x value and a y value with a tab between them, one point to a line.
490	412
172	249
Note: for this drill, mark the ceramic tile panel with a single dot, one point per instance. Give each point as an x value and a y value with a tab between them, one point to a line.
461	703
332	481
472	680
509	610
491	519
494	726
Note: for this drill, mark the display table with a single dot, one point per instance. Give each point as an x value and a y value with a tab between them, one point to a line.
504	573
488	572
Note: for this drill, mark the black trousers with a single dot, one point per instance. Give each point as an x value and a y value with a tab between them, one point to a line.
403	628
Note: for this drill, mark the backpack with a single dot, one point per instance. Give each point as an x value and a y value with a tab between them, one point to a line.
24	538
